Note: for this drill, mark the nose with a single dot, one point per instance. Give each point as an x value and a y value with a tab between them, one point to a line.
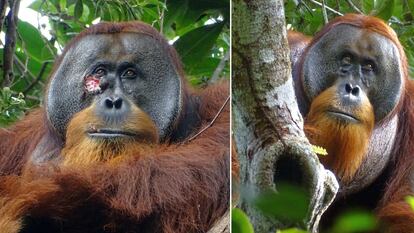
352	89
113	103
113	109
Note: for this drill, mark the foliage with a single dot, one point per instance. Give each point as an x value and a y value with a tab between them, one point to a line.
240	222
307	16
319	150
410	201
198	30
11	108
355	221
291	230
291	203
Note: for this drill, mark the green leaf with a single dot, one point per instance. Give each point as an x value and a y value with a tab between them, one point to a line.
410	5
367	6
319	150
36	5
32	42
42	5
187	12
289	203
355	221
291	230
82	18
209	4
92	11
410	201
63	5
78	9
205	67
12	106
196	44
175	9
240	222
384	9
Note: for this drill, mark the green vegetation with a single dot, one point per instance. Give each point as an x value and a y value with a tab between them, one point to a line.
199	30
307	16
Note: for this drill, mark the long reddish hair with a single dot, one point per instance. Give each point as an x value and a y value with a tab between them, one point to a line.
393	209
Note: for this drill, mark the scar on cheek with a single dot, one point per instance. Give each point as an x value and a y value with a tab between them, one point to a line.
92	84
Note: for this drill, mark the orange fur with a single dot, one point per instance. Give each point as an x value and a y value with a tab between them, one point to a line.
346	142
176	186
83	150
18	196
387	193
397	214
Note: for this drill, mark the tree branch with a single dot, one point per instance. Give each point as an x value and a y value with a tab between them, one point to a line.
38	78
212	121
220	67
353	6
3	6
10	44
267	124
161	14
327	7
325	15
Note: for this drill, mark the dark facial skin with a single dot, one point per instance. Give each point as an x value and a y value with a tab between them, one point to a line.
114	71
357	63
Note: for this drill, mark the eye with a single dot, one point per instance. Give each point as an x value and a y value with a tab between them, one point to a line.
129	73
368	67
346	60
99	71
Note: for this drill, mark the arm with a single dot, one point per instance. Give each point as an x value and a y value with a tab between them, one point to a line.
18	141
172	188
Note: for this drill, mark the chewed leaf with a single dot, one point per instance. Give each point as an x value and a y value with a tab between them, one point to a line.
410	201
92	84
319	150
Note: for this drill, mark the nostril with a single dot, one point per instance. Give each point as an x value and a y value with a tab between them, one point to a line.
118	103
355	91
348	88
109	103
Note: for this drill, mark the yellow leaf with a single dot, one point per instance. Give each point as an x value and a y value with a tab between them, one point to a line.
319	150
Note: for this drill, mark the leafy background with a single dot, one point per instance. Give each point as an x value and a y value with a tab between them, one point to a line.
307	16
199	30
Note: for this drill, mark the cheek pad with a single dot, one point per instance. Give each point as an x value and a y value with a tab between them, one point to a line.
158	93
65	95
388	83
321	63
161	97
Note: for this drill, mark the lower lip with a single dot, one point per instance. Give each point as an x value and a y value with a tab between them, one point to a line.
108	135
343	116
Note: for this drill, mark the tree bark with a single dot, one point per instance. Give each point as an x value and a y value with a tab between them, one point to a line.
267	125
222	226
9	46
3	6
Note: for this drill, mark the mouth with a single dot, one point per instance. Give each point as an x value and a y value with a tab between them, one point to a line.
111	134
343	115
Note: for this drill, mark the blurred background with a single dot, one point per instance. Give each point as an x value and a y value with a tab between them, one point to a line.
308	16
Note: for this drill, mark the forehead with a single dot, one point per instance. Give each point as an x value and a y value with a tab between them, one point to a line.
116	46
361	41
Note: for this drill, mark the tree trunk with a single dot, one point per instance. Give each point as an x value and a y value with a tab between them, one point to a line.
267	125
